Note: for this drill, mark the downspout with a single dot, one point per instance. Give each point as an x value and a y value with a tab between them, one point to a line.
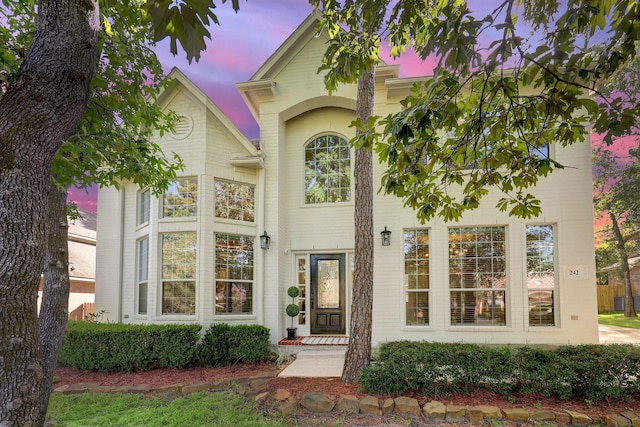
121	260
261	228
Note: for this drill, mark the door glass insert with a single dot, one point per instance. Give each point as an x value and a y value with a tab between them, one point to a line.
328	284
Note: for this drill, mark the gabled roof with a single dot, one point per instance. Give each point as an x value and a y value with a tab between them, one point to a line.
261	84
212	108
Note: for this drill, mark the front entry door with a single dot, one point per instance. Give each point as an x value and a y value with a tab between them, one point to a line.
328	294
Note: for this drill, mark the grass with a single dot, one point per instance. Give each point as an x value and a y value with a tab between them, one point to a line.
197	409
618	319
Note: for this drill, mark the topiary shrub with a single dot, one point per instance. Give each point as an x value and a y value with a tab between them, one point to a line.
214	347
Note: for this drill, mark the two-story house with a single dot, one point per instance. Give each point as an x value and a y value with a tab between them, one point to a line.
195	254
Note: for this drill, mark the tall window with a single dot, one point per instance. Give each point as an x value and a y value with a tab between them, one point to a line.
235	201
416	276
143	274
540	275
327	174
181	198
477	275
144	200
234	274
179	273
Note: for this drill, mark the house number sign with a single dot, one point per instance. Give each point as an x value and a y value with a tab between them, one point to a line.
575	272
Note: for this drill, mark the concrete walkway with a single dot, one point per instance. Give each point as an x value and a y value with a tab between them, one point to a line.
618	335
316	364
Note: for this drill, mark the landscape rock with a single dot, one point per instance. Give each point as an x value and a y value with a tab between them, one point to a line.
542	415
289	407
348	403
194	388
387	406
490	412
317	402
633	417
578	419
140	388
562	417
615	420
282	394
474	415
262	396
516	414
407	406
435	410
456	413
370	405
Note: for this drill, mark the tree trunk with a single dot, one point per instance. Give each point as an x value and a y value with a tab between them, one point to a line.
629	305
39	109
54	311
359	349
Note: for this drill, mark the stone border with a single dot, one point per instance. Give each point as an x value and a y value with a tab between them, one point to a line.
407	407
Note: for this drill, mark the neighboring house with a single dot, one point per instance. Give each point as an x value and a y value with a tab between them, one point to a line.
194	255
82	264
611	295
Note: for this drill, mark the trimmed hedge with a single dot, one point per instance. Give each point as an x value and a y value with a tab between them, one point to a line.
592	372
116	347
223	344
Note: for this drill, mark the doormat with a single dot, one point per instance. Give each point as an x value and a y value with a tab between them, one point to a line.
325	340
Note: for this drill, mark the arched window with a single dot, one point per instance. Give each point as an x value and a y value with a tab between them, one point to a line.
327	170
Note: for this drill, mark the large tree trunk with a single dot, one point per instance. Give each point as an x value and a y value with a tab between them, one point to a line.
40	108
359	350
54	311
629	306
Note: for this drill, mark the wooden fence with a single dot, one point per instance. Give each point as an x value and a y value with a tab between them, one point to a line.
606	294
82	312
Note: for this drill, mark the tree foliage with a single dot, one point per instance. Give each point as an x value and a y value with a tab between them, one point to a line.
484	118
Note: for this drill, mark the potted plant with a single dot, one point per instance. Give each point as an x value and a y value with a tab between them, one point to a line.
292	311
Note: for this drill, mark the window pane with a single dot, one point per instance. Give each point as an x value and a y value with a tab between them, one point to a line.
416	270
144	200
417	308
235	201
327	170
178	297
178	262
143	260
234	274
477	262
540	274
142	298
181	198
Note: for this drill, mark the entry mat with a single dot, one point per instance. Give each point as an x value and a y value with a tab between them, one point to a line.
325	340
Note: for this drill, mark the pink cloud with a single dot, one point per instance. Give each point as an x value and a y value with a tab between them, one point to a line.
84	198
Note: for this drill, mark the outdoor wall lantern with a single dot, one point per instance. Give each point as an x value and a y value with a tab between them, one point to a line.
265	241
386	236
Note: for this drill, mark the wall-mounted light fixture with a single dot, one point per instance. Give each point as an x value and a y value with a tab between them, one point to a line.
386	236
265	241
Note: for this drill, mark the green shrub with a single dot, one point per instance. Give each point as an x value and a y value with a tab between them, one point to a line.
223	344
602	371
592	372
249	343
214	347
117	347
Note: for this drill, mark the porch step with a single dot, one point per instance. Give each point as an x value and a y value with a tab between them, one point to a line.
316	364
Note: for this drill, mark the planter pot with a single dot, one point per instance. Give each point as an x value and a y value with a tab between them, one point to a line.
292	334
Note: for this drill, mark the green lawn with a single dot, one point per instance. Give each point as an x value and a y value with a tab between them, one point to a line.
618	319
198	409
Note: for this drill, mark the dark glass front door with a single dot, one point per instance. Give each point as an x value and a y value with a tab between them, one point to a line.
328	294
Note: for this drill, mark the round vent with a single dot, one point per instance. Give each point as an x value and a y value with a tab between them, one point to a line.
183	128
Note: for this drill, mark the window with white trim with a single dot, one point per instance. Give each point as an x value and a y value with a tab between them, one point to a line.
234	274
235	201
142	274
179	273
181	198
416	277
477	276
144	201
327	170
541	275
